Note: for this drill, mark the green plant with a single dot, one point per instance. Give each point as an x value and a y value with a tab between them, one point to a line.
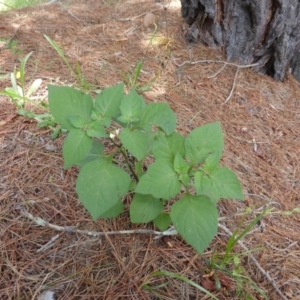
182	168
12	44
229	263
131	79
83	83
17	92
233	270
19	97
229	256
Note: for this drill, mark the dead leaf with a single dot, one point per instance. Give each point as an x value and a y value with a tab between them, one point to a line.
213	279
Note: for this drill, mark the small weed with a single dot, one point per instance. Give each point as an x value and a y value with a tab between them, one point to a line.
12	45
83	84
19	96
131	79
226	268
17	92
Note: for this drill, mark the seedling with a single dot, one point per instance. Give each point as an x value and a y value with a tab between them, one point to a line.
131	79
229	264
19	97
185	169
17	92
83	83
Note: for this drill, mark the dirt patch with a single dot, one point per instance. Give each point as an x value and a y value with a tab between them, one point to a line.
261	125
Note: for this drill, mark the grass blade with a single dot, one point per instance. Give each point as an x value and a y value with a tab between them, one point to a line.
60	53
22	70
184	279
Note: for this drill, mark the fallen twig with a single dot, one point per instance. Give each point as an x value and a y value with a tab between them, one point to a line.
225	63
213	61
159	234
41	222
74	229
136	17
233	86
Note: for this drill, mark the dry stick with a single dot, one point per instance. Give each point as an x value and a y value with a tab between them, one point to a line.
74	229
261	269
233	87
49	244
136	17
218	72
41	222
213	61
281	250
219	62
159	234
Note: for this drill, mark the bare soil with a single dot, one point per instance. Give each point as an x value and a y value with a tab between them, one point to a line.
261	125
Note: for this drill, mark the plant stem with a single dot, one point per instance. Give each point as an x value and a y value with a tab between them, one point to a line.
127	160
129	164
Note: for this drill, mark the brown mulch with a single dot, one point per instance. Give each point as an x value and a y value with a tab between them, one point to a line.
261	125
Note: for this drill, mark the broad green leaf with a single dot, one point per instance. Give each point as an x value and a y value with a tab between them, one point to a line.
135	141
176	143
221	183
139	168
65	101
132	186
204	141
185	179
159	114
95	153
114	211
166	147
100	186
131	107
76	146
212	162
77	121
144	208
180	165
96	129
97	116
163	221
196	220
160	181
150	140
108	101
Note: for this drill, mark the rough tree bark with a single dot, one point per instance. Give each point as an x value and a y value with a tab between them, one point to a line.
266	32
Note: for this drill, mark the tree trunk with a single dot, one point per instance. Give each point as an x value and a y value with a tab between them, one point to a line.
266	32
